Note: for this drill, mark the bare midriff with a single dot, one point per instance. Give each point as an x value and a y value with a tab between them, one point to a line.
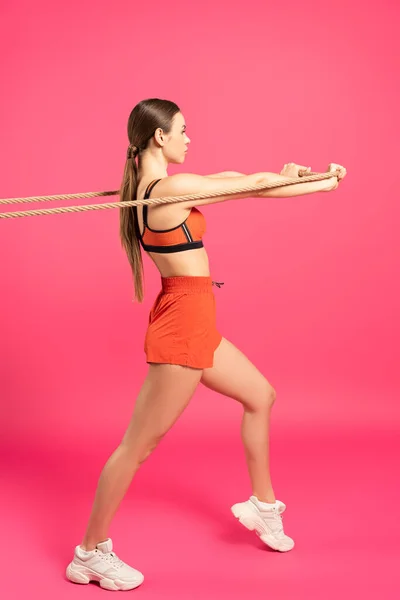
187	263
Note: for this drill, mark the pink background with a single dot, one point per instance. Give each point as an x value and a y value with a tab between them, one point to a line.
311	293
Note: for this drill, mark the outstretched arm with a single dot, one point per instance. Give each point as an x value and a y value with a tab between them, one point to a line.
226	174
183	184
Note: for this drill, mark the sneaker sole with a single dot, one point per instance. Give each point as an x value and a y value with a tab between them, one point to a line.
249	519
83	575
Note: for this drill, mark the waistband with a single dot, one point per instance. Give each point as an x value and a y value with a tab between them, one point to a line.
186	283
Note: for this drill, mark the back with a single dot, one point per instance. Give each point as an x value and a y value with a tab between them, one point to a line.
186	235
162	217
158	216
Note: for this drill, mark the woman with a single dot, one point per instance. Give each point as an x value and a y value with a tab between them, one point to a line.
183	346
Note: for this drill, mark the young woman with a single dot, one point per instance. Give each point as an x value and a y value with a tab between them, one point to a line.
183	346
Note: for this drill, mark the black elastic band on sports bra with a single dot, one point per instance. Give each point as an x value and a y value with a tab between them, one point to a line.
146	197
171	249
150	187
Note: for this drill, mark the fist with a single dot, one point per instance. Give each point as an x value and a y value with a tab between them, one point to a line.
338	169
293	170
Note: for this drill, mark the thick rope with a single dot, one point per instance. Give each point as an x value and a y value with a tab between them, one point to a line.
163	200
59	197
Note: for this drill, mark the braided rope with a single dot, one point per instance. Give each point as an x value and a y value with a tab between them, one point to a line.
58	197
163	200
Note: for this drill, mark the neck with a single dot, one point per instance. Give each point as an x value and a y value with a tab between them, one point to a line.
152	164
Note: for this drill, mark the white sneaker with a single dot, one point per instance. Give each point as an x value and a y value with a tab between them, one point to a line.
266	521
104	566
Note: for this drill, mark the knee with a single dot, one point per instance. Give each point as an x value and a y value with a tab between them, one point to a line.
267	399
144	455
261	402
149	449
271	396
139	453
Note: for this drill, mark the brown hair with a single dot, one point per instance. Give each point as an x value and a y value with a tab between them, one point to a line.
144	120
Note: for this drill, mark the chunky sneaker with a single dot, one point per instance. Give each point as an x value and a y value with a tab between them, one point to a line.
104	566
266	520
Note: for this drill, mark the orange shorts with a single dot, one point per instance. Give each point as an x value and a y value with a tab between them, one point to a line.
182	323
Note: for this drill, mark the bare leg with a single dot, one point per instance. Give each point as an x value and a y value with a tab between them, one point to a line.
164	395
235	376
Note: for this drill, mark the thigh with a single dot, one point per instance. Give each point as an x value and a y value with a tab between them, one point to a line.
234	375
163	397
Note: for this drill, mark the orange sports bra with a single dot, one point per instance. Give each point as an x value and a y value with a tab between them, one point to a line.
186	236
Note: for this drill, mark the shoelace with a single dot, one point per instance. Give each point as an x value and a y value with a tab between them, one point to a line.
112	558
277	521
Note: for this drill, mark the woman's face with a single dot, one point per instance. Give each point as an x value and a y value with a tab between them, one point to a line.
177	145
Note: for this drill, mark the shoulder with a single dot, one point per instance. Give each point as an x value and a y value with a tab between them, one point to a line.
179	184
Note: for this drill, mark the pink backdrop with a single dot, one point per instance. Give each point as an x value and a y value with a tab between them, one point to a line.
311	294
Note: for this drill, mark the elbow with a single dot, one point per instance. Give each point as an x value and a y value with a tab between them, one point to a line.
267	178
270	177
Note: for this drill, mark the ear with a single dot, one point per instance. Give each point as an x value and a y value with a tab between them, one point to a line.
159	136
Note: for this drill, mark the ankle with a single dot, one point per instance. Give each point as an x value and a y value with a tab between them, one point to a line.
265	498
87	546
